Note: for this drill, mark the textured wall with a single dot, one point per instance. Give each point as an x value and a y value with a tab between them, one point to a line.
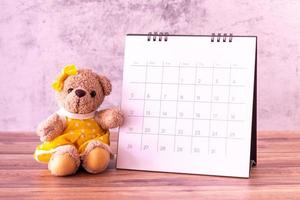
37	38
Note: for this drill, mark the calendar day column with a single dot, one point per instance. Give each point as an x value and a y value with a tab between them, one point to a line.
167	115
238	96
133	106
152	106
185	107
202	106
219	109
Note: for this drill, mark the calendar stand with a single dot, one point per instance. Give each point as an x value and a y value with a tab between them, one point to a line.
189	104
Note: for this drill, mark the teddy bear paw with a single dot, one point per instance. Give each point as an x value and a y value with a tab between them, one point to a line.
50	128
110	118
118	117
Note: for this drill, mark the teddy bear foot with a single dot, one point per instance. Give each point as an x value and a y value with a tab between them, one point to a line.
96	160
65	161
62	165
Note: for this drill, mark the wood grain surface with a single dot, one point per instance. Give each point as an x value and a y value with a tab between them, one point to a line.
277	176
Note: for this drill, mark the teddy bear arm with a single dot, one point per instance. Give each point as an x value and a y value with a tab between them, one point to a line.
50	128
110	118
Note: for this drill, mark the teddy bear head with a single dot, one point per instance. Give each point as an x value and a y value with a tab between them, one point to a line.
83	92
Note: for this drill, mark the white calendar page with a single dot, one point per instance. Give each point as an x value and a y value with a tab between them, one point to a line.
188	105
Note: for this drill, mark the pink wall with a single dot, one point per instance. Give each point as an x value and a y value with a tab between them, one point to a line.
37	38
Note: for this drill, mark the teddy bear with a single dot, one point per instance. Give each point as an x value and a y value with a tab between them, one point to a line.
77	134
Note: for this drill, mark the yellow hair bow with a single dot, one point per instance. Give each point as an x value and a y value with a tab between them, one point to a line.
58	84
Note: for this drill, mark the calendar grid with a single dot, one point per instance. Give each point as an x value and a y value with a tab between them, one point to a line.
211	102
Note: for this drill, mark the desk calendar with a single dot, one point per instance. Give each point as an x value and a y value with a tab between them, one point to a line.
189	104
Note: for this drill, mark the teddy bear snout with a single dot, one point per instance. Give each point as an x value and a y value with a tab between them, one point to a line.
80	93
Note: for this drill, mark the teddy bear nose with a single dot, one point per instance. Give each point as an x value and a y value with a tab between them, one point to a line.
80	93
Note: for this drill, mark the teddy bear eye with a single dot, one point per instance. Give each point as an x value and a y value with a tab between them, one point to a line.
70	90
93	93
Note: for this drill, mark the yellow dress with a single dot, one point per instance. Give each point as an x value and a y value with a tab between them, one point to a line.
78	132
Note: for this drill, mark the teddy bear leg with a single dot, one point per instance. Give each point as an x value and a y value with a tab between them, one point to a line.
96	157
65	161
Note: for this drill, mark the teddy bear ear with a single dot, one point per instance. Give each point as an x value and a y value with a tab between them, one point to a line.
105	83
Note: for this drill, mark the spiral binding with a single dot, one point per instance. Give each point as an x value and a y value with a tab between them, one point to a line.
219	37
157	36
163	36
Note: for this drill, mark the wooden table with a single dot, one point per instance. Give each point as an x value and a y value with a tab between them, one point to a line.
277	176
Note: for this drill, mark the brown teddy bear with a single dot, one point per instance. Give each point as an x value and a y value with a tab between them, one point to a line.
78	132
